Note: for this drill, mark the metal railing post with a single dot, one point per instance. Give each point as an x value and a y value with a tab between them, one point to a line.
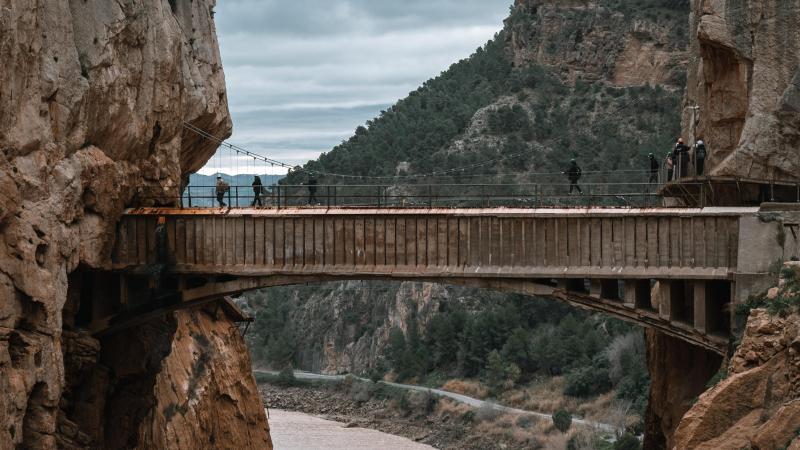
430	196
379	196
236	188
328	195
230	202
189	193
278	191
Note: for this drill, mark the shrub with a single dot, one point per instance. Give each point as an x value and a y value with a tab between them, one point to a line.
562	420
627	442
587	381
487	413
286	377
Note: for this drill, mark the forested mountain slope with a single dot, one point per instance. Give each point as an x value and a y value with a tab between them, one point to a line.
599	81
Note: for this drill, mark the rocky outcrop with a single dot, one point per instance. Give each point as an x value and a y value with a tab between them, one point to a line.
678	374
93	95
202	390
758	404
595	40
344	327
744	78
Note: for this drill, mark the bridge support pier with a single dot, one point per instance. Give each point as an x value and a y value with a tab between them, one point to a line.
701	306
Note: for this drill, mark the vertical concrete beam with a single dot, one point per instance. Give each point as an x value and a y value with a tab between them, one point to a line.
700	306
665	299
596	288
630	294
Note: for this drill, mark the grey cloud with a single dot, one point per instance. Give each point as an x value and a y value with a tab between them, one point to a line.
302	75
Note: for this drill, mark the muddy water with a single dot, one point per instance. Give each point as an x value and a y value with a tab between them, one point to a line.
298	431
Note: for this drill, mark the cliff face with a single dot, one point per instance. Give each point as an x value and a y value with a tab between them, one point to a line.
602	40
758	404
678	374
92	98
744	78
344	327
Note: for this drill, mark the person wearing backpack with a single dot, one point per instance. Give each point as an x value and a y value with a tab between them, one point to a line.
680	157
574	174
258	189
700	156
653	168
669	164
222	189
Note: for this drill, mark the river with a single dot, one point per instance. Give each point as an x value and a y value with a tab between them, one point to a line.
298	431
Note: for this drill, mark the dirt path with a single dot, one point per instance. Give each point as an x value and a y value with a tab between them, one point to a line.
471	401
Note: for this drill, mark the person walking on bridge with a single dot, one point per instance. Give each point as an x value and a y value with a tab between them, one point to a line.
680	156
574	174
221	189
312	189
669	164
258	190
700	157
653	168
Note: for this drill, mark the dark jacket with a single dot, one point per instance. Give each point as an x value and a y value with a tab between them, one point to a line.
653	165
700	151
258	188
574	172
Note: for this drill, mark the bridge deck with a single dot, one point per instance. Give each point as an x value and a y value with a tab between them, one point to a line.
546	243
676	270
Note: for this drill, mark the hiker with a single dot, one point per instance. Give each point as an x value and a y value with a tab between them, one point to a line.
669	163
680	157
258	189
222	189
653	168
312	189
573	174
700	157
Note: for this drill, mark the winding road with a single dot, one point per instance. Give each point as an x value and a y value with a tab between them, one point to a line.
471	401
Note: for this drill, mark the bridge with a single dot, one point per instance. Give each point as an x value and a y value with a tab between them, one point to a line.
677	270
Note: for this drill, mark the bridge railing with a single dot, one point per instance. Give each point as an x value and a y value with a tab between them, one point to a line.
430	195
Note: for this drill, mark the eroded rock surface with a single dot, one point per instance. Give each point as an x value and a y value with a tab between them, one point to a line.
678	374
758	404
92	98
744	77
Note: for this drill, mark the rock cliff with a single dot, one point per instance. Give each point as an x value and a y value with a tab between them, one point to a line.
344	327
93	95
757	404
745	80
600	40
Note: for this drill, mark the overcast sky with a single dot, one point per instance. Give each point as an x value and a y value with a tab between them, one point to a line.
303	74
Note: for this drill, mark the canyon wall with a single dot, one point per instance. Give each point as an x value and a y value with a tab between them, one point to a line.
598	40
93	95
744	76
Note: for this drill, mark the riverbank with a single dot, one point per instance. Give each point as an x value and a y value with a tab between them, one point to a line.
298	431
424	418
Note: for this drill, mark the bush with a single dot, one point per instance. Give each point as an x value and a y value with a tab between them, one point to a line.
627	442
587	381
487	413
562	420
286	377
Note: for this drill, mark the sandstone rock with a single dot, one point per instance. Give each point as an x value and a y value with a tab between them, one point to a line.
758	405
93	95
678	374
772	294
744	80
